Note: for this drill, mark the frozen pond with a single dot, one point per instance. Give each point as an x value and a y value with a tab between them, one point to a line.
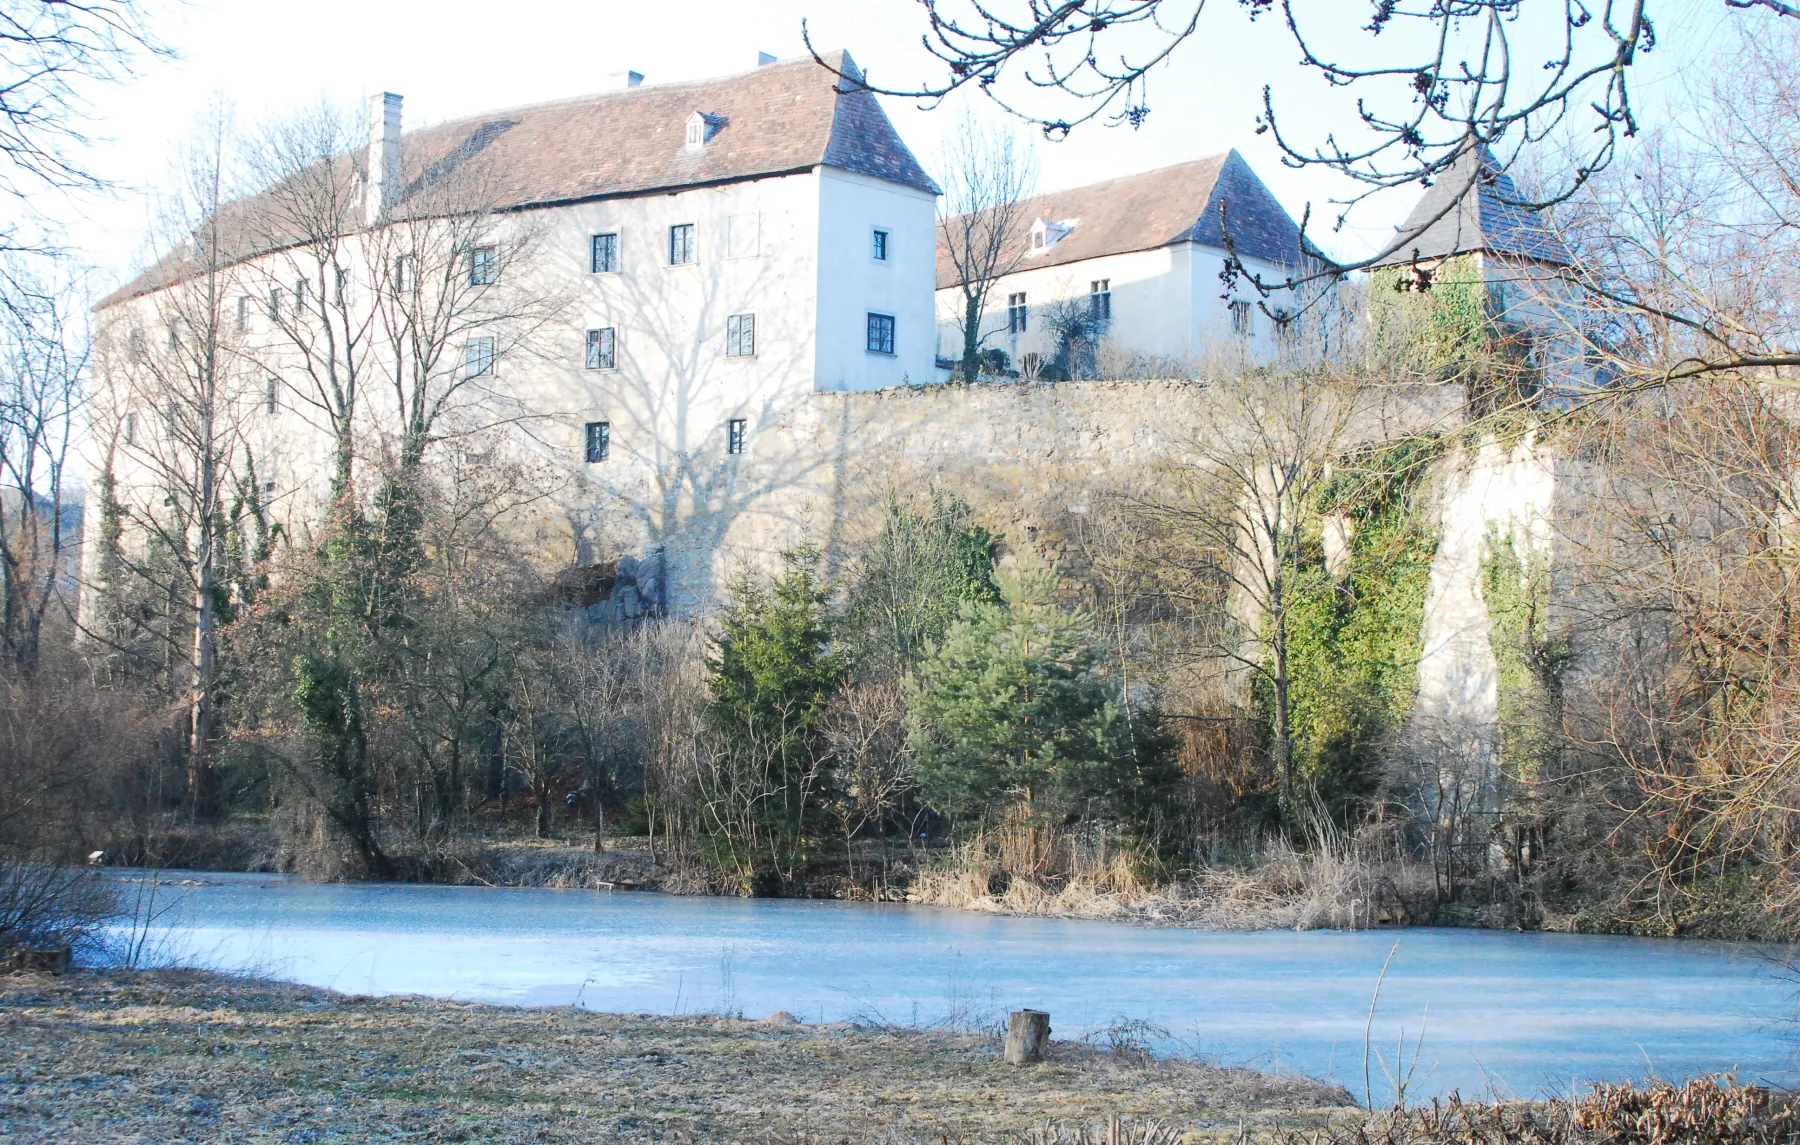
1520	1014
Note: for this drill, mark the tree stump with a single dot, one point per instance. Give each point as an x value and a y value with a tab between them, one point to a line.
1026	1033
22	959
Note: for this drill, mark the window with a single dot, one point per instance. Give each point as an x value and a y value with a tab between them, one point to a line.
484	268
268	490
603	254
299	297
406	274
879	245
599	441
699	129
600	349
1242	319
478	358
881	333
343	285
272	396
243	315
275	304
174	334
734	435
1100	299
681	244
131	429
134	345
1018	316
740	336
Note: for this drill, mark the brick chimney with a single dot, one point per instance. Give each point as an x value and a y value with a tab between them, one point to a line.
382	182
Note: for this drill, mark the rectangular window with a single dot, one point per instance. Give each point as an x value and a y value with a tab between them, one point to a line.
243	315
1018	317
599	441
603	254
1100	299
681	244
880	245
484	267
134	345
272	397
406	274
1242	319
734	435
268	489
275	304
131	429
299	297
881	333
600	349
478	358
740	336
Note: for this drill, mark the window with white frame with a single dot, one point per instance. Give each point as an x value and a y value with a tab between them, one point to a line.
600	349
478	358
681	244
603	253
1018	315
881	333
1100	299
878	244
598	441
740	336
734	435
1243	319
484	266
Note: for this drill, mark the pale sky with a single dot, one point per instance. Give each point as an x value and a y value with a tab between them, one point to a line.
451	58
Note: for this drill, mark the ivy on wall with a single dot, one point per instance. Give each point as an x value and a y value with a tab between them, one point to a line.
1445	329
1529	658
1354	632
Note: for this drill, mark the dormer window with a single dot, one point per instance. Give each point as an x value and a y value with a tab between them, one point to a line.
1045	234
699	130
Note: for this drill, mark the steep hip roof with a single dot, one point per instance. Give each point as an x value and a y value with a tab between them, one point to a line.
1194	202
782	118
1473	208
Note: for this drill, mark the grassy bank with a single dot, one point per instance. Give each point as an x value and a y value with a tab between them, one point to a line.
172	1056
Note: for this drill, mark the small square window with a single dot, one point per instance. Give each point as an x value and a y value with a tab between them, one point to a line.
484	266
740	336
879	245
599	441
881	333
681	244
603	254
1100	299
478	358
734	435
600	349
1018	316
1243	320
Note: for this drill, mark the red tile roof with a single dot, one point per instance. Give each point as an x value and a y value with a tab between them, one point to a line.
1160	208
779	119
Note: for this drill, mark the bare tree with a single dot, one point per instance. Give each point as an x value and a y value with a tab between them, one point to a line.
43	360
177	400
982	227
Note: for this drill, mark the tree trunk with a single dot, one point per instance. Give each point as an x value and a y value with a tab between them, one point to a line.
1027	1032
971	355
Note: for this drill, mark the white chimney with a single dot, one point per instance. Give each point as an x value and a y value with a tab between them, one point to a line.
625	79
764	59
383	177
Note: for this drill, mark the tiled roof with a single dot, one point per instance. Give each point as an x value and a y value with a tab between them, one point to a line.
1183	203
782	118
1467	211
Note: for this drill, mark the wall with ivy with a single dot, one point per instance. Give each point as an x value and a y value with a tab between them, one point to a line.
1354	631
1446	330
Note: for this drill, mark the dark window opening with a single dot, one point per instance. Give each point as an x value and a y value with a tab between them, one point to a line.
681	244
600	349
603	254
1018	317
272	397
734	435
881	245
881	333
599	441
1100	299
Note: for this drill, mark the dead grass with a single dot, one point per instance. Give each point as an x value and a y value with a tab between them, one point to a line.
173	1056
